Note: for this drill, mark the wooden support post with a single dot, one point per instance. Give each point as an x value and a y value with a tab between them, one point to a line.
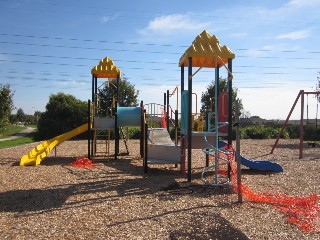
230	102
183	156
116	127
116	134
207	129
238	156
189	132
142	130
89	128
168	111
301	126
286	122
145	160
176	127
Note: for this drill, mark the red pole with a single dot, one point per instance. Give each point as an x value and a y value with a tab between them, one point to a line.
301	126
286	122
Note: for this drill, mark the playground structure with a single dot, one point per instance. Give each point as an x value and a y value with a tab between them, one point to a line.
98	127
155	144
205	52
300	95
115	118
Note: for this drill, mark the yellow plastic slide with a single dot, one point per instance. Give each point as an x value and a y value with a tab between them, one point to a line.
36	155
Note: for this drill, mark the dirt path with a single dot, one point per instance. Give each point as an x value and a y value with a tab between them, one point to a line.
20	134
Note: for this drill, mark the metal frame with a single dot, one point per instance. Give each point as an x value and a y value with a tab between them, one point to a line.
189	111
300	94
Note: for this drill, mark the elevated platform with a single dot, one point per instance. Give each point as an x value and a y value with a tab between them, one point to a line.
162	150
103	123
199	142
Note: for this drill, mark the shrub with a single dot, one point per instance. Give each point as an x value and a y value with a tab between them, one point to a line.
63	113
262	132
134	133
311	133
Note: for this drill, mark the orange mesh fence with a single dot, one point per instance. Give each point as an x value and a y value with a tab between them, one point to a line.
302	211
83	162
222	165
163	120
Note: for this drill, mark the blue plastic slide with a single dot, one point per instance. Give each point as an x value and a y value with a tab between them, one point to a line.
261	165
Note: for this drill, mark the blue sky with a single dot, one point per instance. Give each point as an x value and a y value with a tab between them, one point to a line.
51	46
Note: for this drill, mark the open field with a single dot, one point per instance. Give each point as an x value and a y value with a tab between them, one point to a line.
116	200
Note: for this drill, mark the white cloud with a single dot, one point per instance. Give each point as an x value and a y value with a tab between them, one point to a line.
172	23
105	19
303	3
295	35
287	10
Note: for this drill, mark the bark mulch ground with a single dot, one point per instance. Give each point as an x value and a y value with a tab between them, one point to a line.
116	200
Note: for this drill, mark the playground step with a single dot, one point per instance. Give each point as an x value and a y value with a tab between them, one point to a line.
101	146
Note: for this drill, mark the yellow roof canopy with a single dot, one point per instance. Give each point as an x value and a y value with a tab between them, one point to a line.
106	69
206	51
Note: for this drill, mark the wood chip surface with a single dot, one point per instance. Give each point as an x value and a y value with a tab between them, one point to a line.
116	200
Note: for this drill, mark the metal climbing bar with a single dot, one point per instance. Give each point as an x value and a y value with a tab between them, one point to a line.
219	154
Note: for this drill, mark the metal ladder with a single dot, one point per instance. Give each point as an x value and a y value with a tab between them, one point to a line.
98	141
219	154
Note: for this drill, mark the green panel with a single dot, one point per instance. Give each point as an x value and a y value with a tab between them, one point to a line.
184	112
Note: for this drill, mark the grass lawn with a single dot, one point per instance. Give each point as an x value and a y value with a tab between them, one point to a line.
18	141
11	130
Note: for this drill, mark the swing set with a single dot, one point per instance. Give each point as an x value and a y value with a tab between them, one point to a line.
301	95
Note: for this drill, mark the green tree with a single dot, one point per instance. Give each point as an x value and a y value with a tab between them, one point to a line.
6	106
37	115
208	100
30	119
21	116
13	118
127	95
63	113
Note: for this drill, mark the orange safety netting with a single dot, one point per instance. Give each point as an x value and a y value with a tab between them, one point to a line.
83	162
302	211
163	120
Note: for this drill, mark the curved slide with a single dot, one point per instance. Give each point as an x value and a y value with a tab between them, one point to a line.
36	155
261	165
